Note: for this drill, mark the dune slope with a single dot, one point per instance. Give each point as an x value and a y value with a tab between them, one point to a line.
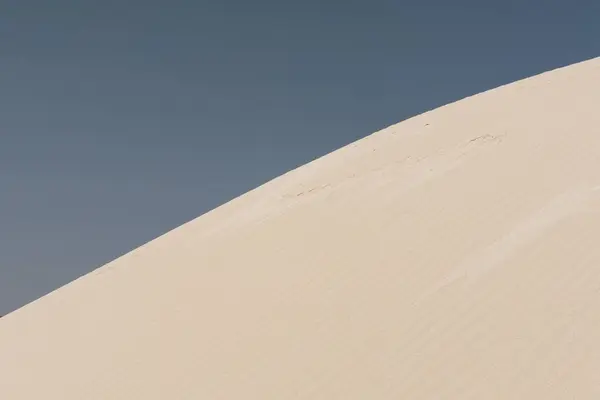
452	256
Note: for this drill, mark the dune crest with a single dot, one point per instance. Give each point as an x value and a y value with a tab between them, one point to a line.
451	256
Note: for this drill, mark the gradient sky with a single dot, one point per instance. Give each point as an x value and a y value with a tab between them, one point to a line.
121	120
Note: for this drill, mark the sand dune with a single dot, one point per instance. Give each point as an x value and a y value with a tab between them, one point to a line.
452	256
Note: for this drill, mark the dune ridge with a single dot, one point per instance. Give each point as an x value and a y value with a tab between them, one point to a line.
451	256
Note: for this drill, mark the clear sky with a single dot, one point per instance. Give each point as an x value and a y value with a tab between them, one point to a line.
120	120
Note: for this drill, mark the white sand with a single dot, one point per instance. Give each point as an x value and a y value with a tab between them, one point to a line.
455	255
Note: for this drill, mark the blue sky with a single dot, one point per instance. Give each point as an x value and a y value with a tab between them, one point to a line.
121	120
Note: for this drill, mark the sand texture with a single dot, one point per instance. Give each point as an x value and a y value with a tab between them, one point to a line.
455	255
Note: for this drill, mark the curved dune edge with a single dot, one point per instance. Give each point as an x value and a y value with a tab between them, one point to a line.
451	256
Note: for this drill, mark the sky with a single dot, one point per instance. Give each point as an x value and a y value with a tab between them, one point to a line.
121	120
